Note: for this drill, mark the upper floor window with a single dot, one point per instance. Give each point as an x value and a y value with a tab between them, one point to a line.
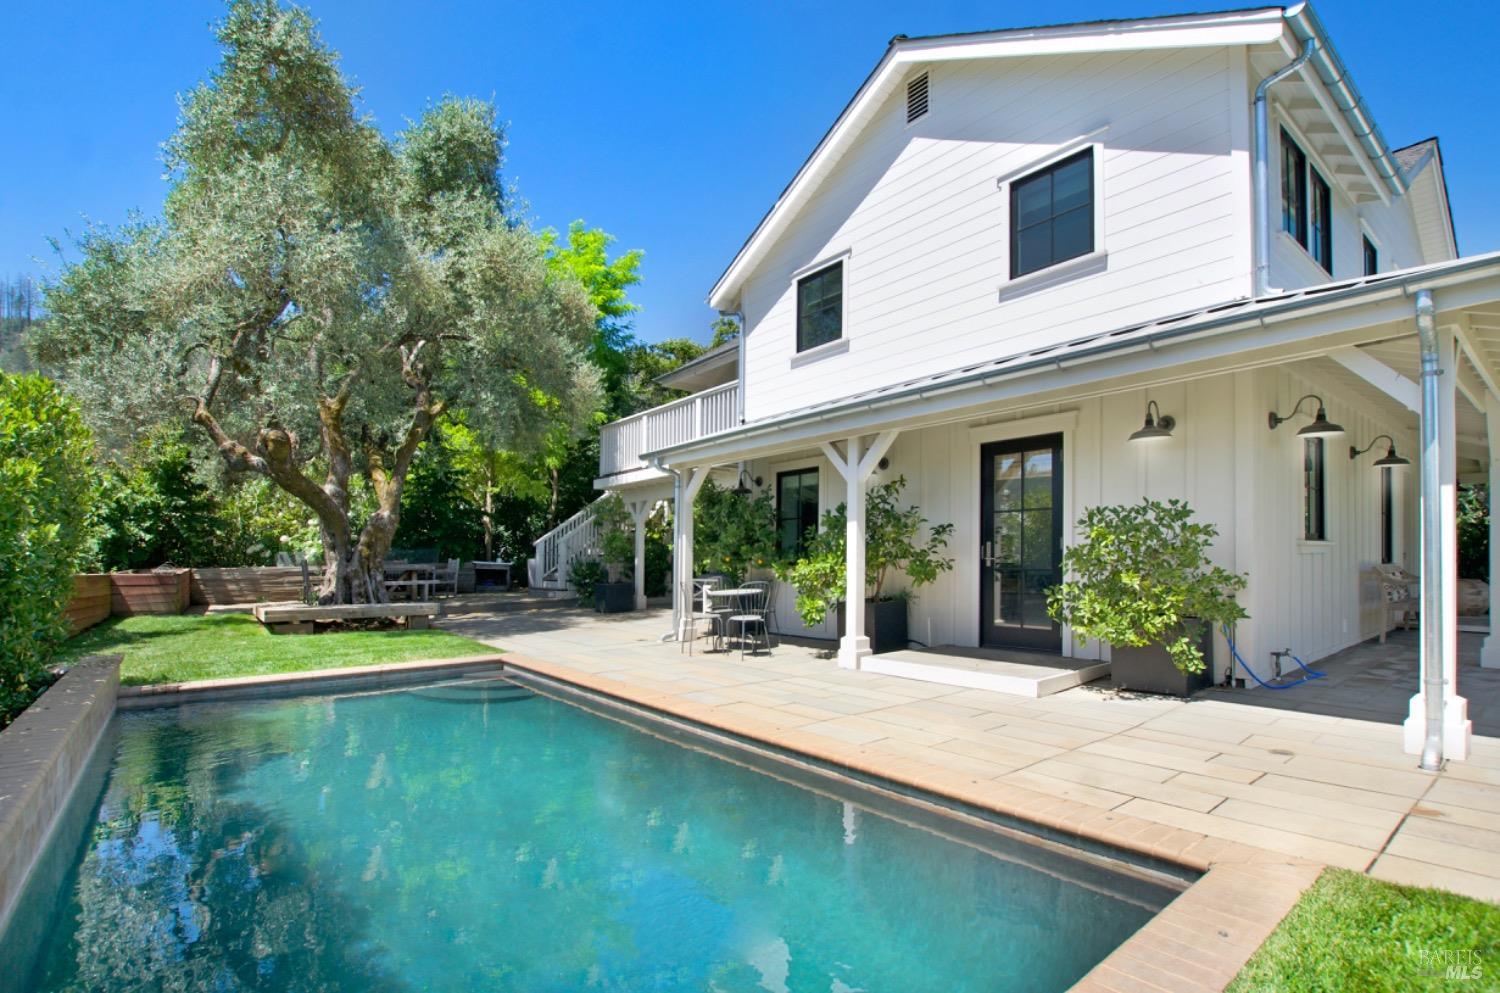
1306	204
1372	258
796	510
1314	500
820	307
1052	214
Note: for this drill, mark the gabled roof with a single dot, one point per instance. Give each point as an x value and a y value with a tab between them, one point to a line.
1248	26
1422	168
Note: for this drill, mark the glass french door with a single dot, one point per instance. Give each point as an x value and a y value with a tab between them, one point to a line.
1020	542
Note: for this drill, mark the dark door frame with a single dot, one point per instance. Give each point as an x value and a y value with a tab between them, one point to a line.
1033	639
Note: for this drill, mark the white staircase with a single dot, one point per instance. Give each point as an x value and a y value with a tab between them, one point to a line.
557	550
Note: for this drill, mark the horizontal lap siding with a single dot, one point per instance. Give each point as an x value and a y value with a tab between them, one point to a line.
920	213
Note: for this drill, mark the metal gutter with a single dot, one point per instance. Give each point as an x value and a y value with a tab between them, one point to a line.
1300	303
1307	28
1262	167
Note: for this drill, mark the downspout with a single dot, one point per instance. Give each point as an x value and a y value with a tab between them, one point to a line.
1432	531
1262	168
739	315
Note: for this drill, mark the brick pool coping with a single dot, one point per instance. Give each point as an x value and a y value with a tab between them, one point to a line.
1200	941
43	753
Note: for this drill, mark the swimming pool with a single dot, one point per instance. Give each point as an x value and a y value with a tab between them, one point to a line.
478	836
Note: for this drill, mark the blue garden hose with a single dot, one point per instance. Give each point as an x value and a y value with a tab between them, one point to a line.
1235	657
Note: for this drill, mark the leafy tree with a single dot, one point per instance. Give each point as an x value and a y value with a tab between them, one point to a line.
19	310
317	296
585	256
733	533
438	509
46	496
725	330
1473	532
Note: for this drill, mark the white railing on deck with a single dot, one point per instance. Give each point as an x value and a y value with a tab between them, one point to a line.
557	550
622	442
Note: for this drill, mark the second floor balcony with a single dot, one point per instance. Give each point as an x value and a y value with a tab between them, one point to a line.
622	442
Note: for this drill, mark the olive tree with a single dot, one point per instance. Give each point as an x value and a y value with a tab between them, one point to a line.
316	295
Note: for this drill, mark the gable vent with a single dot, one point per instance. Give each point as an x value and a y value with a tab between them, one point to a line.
916	98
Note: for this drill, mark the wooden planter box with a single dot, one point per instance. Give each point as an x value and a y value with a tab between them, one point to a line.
165	592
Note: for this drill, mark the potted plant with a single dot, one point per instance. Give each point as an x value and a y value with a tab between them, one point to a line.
893	543
1141	581
614	592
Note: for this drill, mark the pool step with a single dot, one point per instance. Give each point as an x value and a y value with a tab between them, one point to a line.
475	689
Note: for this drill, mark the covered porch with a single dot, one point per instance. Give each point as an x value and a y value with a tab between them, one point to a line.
1357	348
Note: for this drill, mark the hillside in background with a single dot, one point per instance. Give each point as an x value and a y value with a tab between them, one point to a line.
20	307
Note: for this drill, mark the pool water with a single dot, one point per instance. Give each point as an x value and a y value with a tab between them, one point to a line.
477	836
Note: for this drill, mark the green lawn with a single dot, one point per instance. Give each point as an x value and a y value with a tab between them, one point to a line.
177	649
1351	932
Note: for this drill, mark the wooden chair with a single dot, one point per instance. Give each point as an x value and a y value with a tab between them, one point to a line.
1400	598
445	580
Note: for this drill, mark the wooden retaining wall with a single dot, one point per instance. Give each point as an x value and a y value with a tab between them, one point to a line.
248	584
90	602
163	592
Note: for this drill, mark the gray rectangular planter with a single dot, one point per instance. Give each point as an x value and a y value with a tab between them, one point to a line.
1149	669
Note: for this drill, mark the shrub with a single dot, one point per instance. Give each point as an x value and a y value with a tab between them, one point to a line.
46	532
1141	575
733	532
584	575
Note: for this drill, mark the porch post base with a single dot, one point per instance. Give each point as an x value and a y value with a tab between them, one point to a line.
1457	728
1489	652
853	651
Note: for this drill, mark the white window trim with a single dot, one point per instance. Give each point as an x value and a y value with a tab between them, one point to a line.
1058	271
1382	261
827	348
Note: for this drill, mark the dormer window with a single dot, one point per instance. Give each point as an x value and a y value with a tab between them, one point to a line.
1306	204
1052	214
916	98
820	307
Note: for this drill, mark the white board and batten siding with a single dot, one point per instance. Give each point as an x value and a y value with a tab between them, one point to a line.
919	213
1314	598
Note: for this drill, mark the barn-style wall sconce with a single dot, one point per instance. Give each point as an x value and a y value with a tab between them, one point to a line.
1388	460
1157	426
1321	426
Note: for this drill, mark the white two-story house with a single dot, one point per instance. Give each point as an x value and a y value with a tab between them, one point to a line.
1015	249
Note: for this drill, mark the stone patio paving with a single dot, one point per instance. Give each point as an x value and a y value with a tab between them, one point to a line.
1330	787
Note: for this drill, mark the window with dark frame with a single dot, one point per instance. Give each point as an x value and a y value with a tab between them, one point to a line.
796	510
1052	214
1320	222
820	307
1387	518
1306	204
1293	190
1314	511
1372	258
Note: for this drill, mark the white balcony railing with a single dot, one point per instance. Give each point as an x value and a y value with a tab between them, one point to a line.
622	442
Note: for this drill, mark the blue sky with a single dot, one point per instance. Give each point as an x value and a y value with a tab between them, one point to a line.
671	126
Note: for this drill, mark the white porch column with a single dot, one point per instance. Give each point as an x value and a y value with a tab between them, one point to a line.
1444	561
640	511
689	482
856	467
1489	655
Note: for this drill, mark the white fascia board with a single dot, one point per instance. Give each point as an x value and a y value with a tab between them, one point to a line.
1259	27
